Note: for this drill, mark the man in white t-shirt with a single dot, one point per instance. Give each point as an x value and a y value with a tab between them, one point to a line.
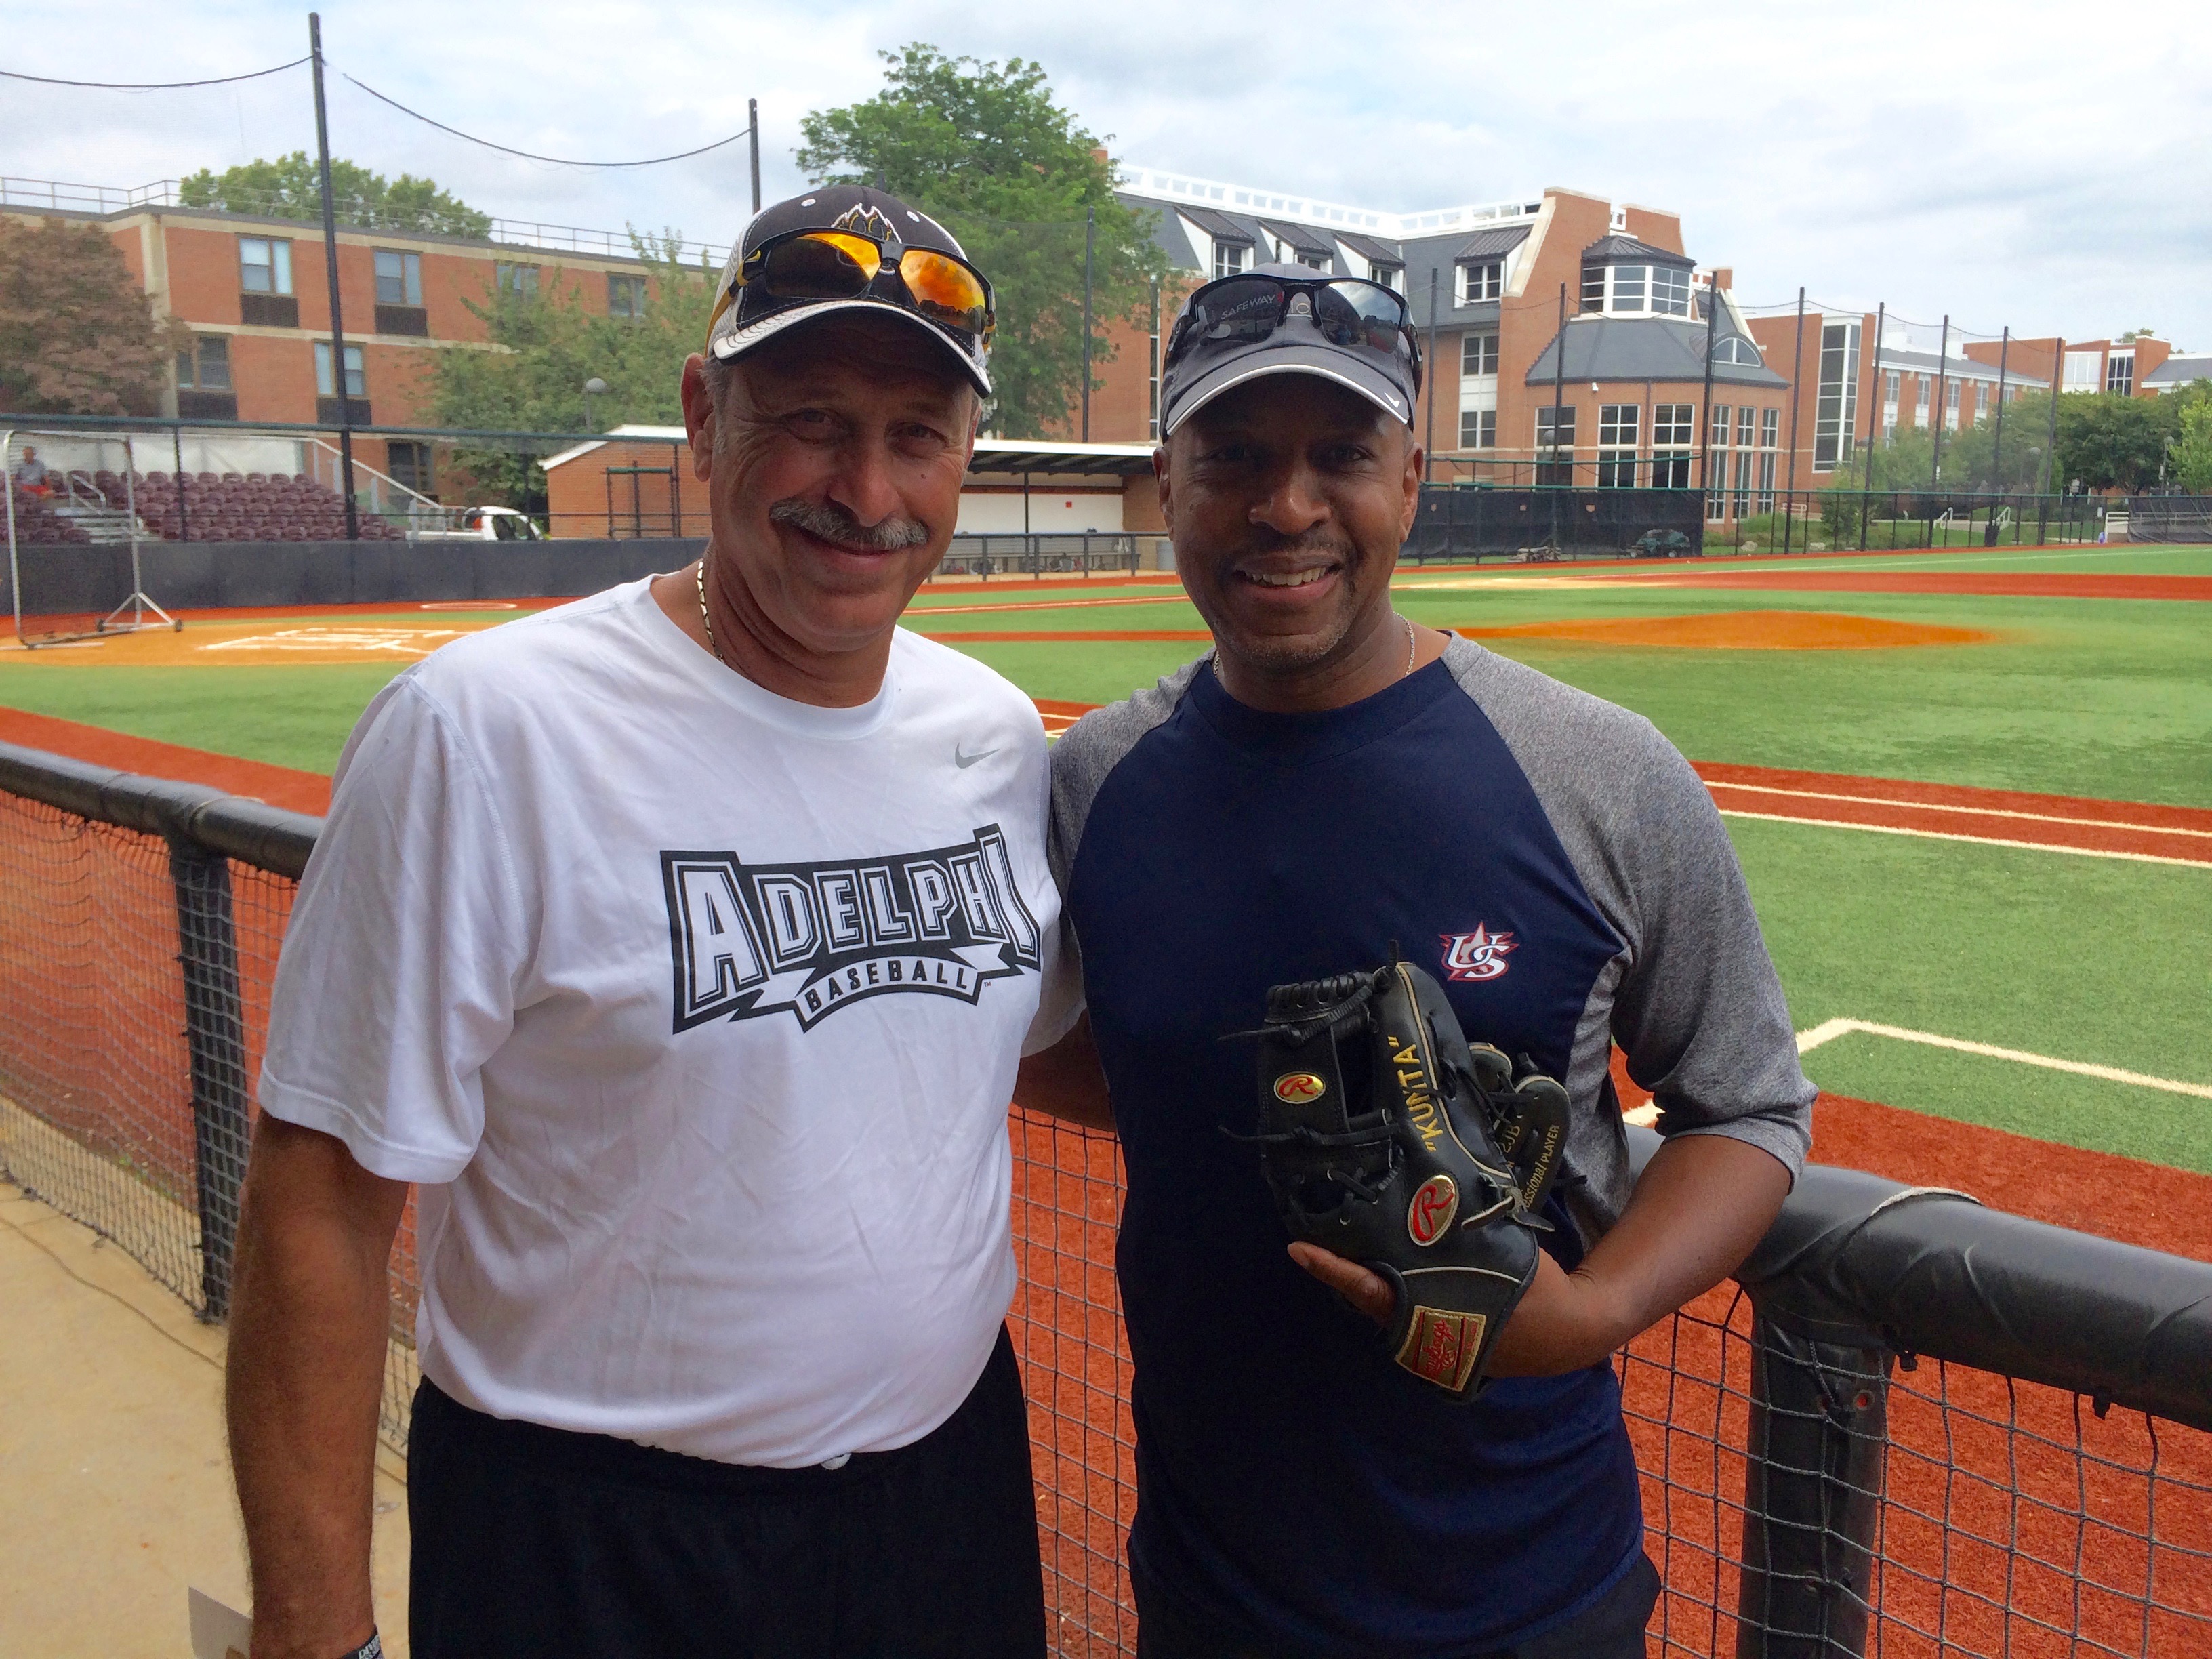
681	944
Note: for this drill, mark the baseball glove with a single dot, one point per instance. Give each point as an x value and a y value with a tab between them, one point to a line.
1387	1139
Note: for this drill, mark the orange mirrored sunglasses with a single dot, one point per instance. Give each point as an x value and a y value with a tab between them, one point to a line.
842	264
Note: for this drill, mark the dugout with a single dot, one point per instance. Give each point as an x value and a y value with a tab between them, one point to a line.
635	483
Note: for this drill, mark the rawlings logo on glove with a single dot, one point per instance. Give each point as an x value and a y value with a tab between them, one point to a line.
1388	1139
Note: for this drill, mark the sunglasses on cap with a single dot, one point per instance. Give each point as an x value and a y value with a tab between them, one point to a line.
1349	312
843	265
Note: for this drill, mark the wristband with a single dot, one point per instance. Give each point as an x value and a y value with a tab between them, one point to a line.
371	1649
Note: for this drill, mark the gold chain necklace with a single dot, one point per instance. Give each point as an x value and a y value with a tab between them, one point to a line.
707	623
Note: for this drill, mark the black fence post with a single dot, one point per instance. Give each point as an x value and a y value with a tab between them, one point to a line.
214	1035
1817	1453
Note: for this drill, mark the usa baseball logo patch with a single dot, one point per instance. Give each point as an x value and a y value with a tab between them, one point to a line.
1477	955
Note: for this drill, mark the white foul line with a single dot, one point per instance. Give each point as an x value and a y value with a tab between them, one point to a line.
1977	840
1973	811
1828	1030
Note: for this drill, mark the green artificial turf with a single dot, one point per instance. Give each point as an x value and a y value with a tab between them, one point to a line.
2095	960
296	716
2108	699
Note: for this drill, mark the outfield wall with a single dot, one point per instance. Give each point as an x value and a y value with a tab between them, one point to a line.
215	575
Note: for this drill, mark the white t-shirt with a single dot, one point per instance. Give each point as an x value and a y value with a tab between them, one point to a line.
695	1012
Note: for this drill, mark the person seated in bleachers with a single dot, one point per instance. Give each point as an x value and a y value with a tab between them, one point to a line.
30	473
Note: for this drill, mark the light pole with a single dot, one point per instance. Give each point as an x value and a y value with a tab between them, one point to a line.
594	387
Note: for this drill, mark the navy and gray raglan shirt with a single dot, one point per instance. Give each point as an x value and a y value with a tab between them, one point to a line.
1558	866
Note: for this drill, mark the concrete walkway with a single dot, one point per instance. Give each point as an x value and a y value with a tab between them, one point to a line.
115	1490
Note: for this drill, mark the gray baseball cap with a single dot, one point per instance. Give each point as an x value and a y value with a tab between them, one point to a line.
1290	319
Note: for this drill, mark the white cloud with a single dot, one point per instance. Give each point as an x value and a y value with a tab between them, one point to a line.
2019	164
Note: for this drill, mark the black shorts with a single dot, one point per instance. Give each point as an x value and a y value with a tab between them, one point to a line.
1612	1627
536	1542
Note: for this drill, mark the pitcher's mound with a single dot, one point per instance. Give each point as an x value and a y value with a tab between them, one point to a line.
1741	630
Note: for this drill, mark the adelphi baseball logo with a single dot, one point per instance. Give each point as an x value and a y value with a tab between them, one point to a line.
752	940
1480	955
1296	1088
1434	1205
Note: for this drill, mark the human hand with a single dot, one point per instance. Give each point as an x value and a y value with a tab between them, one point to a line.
1565	1320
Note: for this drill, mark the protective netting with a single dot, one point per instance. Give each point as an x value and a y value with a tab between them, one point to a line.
2007	1519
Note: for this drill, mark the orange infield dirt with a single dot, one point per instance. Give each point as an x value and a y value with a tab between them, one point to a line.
2123	1199
1741	630
2004	584
2136	828
279	785
1723	630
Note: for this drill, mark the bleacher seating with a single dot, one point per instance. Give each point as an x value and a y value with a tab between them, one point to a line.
210	507
36	522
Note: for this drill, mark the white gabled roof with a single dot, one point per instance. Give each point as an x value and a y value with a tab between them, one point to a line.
664	435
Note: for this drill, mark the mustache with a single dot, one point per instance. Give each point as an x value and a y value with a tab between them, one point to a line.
833	524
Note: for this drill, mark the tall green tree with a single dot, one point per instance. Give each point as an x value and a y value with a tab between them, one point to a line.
290	187
2190	458
546	345
2106	441
77	334
983	148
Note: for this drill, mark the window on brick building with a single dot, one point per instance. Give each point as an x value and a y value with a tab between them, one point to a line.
1766	482
1593	287
1670	291
410	464
265	265
1746	418
1673	424
1478	354
1478	429
1555	445
1628	285
205	364
1670	469
520	280
1721	416
356	377
1229	258
1924	388
625	296
1482	282
1618	426
399	277
1951	405
1745	462
1770	428
2120	373
1894	380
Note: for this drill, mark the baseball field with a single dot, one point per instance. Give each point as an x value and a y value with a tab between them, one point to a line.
1972	794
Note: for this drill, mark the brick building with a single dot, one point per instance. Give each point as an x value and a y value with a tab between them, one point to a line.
1565	337
255	294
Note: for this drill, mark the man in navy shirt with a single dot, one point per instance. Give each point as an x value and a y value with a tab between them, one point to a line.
1331	779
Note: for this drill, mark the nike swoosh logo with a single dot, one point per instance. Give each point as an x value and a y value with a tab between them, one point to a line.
963	759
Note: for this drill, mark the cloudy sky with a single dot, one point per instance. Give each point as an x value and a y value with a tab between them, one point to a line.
2044	167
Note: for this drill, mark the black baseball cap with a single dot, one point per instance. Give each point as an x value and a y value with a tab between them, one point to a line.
747	315
1382	364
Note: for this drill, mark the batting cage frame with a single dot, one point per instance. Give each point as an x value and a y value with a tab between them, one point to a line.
143	611
1912	1425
